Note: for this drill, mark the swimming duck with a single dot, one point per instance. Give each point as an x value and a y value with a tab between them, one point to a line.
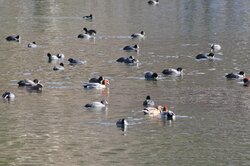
88	18
96	80
148	102
131	48
85	36
138	35
170	115
128	60
59	67
215	47
153	2
91	32
27	82
8	96
149	75
32	45
235	76
75	61
173	72
97	104
246	81
205	56
36	87
122	123
152	111
93	85
55	57
13	38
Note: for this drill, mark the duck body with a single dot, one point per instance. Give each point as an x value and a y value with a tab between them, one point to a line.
148	102
122	123
75	61
88	18
85	36
32	45
173	72
91	32
138	35
235	76
215	47
97	104
153	2
37	87
169	115
94	85
149	75
27	82
127	60
152	111
131	48
55	57
59	67
13	38
205	56
246	81
8	96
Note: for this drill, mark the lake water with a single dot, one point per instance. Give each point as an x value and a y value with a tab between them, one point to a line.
53	128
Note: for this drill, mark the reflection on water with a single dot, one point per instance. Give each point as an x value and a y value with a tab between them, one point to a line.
53	127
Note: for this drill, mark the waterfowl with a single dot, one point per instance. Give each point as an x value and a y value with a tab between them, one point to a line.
97	104
36	87
149	75
205	56
85	36
27	82
215	47
246	81
96	80
55	57
235	76
8	96
91	32
153	2
127	60
13	38
122	123
88	18
138	35
131	48
152	111
148	102
93	85
75	61
59	67
32	45
173	72
170	115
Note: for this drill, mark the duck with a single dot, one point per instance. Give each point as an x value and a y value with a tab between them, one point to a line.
246	81
93	85
59	67
128	60
16	38
148	102
55	57
170	115
173	72
138	35
153	2
152	111
75	61
215	47
27	82
85	36
88	17
97	104
36	87
121	123
8	96
149	75
96	80
91	32
205	56
235	76
32	45
131	48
